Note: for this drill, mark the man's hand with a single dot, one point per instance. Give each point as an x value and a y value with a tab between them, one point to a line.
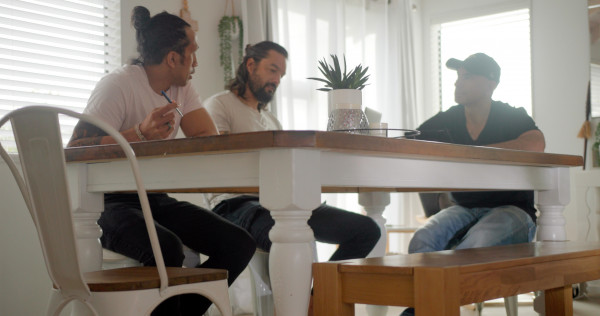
159	123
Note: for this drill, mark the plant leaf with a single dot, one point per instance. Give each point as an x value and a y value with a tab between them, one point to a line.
336	78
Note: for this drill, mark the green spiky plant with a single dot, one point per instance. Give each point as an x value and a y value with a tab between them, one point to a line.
336	79
596	146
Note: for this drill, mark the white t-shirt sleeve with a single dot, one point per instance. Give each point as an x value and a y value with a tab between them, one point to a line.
218	111
191	101
107	102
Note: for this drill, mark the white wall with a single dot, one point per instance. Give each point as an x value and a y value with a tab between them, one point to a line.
24	282
560	64
561	70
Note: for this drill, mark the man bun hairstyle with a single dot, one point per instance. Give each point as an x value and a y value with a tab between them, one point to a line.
257	52
158	35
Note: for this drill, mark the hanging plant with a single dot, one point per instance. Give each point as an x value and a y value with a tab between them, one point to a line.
230	31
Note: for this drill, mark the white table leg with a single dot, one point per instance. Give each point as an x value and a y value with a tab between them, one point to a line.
551	204
584	212
374	204
290	188
87	208
551	222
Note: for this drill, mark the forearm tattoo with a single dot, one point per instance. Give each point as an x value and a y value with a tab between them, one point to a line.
86	134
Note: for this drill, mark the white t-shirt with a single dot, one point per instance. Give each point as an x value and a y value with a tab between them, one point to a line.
233	116
124	98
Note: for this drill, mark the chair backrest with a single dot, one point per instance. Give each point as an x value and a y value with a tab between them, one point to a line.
435	202
44	187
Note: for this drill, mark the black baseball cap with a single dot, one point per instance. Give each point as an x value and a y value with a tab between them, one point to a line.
477	64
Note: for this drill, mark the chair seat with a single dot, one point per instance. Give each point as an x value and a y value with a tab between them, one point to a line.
143	278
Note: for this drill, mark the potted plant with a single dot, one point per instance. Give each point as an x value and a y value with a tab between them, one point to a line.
345	94
230	36
595	147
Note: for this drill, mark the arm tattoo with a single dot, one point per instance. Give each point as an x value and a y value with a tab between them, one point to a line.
86	134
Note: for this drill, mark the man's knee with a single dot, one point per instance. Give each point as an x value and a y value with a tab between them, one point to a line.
370	230
172	250
239	243
422	241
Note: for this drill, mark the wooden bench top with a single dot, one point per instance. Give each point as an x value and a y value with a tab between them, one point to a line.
457	277
476	259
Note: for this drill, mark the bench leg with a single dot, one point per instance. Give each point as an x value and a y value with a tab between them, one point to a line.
327	291
436	292
559	301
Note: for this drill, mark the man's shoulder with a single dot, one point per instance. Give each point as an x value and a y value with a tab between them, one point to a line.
502	107
219	99
124	76
127	71
451	114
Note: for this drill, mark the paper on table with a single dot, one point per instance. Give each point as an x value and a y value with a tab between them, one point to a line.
372	115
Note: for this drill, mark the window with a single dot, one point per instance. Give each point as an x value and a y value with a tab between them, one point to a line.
52	52
595	89
505	37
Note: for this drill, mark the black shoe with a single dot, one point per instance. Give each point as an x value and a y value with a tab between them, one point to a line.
408	312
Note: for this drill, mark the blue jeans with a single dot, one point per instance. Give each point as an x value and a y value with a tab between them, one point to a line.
458	227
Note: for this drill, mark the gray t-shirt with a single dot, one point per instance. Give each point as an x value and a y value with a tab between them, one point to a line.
233	116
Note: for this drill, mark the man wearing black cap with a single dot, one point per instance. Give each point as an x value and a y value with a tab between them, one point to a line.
480	219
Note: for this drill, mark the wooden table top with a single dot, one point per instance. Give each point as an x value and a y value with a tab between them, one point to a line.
330	141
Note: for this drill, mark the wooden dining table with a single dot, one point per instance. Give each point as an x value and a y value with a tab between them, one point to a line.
290	169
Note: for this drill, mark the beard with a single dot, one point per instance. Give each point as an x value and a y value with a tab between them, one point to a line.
259	90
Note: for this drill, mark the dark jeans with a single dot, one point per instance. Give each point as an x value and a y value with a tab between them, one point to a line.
355	234
177	224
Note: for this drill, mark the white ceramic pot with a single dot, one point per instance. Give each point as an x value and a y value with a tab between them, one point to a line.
345	111
344	97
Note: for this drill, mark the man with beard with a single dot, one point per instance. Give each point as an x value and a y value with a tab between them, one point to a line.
241	109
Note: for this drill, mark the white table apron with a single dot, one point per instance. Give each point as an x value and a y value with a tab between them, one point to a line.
290	182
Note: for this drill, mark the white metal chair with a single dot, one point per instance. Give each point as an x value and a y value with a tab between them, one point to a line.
43	184
261	284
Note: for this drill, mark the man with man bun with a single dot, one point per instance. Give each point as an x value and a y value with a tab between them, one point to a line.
133	99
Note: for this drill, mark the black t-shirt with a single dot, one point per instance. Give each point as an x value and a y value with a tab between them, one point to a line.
504	123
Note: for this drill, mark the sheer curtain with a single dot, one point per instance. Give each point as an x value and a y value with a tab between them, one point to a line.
375	33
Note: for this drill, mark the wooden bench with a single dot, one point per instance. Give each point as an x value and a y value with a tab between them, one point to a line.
438	283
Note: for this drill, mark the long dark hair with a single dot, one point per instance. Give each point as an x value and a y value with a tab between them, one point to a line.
257	52
158	35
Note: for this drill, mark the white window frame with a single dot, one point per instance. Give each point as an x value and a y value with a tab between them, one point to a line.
438	12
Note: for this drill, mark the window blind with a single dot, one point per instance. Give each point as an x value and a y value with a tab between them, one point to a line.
52	52
503	36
